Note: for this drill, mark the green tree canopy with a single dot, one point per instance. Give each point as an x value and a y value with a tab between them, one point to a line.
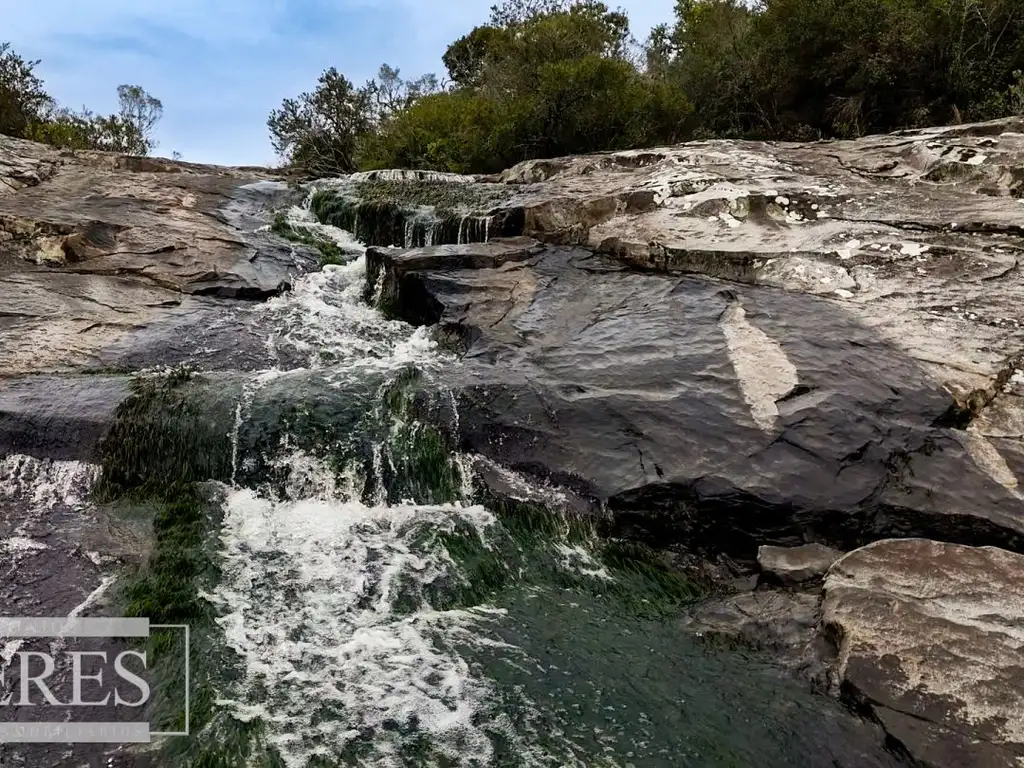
551	77
27	111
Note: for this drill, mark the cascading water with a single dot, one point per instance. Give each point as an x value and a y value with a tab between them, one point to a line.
384	621
361	605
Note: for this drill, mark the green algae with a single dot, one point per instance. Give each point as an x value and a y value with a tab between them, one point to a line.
328	252
409	213
163	439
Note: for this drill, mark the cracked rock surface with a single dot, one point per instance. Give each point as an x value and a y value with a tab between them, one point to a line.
719	346
101	251
726	345
930	635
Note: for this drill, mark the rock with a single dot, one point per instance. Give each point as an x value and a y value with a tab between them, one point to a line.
930	636
752	343
796	565
782	624
100	250
720	416
58	417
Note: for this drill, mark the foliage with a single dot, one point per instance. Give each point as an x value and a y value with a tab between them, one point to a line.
27	111
22	98
319	133
132	127
544	79
552	77
800	69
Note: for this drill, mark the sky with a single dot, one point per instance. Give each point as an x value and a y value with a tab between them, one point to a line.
221	66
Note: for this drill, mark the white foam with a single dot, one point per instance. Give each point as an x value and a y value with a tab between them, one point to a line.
576	558
302	218
46	483
23	544
324	321
309	598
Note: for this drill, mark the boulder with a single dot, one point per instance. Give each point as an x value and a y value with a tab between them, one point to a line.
796	565
930	636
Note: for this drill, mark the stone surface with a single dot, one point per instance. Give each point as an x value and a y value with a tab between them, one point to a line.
796	565
99	250
740	343
918	233
931	636
778	622
719	346
720	415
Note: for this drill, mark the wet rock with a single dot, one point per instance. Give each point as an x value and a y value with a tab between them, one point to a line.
796	565
96	249
58	417
930	636
720	416
781	624
873	396
916	233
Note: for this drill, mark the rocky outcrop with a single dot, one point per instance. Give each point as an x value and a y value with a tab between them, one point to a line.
735	347
728	416
846	386
930	636
100	250
722	347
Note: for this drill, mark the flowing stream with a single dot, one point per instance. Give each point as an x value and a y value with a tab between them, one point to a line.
367	607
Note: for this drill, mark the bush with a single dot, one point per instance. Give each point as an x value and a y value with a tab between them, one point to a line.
553	77
28	112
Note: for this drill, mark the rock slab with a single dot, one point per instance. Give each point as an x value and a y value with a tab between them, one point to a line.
100	250
930	635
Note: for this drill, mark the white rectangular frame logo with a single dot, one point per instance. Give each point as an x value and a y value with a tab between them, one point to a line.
89	732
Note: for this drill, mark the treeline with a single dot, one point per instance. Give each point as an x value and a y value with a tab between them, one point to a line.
27	111
551	77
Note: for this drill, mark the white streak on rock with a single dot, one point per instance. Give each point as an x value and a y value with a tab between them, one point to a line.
765	373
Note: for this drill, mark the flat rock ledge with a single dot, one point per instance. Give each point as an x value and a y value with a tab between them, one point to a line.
930	636
796	565
101	251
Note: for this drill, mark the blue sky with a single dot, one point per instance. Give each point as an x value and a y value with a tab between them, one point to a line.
220	66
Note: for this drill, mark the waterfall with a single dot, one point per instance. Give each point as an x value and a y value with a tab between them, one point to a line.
358	595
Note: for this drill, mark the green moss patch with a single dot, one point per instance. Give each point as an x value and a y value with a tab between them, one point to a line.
163	439
409	213
329	251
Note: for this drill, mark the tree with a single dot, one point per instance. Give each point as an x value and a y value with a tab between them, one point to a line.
138	114
318	133
28	111
388	93
554	82
22	98
465	58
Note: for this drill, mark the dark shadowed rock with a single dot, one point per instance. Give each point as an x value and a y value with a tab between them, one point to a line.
781	623
724	416
796	565
57	417
931	636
